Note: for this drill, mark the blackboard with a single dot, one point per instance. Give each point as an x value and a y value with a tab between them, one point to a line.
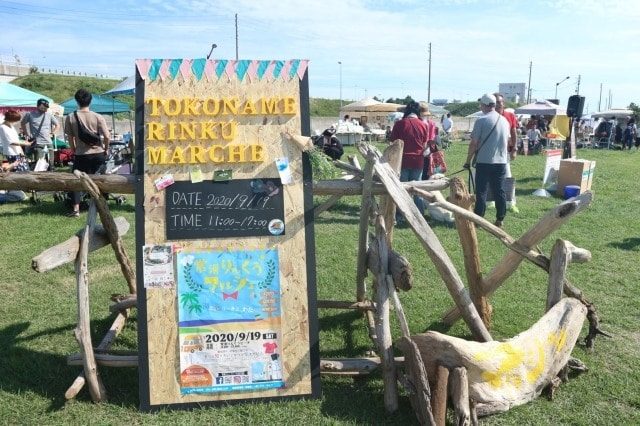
234	208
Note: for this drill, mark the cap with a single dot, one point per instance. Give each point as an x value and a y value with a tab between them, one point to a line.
488	99
44	102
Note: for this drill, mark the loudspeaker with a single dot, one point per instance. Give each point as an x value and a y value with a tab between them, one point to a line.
575	105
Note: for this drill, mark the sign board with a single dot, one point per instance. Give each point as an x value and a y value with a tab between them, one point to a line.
225	266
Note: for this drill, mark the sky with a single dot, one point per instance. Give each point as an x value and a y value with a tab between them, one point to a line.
445	49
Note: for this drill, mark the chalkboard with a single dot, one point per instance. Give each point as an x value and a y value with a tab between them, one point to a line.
234	208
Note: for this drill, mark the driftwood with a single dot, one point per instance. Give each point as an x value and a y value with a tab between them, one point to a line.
83	329
513	372
399	267
67	251
469	242
439	394
431	244
419	390
365	305
393	156
562	254
366	206
107	221
459	385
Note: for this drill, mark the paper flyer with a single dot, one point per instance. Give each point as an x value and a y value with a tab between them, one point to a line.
229	321
158	266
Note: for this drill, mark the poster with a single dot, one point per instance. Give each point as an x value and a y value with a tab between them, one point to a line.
230	321
158	266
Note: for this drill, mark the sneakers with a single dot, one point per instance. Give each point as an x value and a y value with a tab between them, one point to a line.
499	223
73	213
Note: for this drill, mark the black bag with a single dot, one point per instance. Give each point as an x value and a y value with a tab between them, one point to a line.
85	135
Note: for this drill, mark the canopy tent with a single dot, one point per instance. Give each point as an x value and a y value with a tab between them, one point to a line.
541	107
100	105
15	97
369	109
125	87
616	112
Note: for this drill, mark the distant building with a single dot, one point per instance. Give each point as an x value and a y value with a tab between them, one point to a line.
439	102
513	91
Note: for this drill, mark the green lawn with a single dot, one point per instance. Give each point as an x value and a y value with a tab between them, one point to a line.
38	312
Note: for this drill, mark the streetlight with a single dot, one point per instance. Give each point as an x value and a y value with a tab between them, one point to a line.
213	46
340	63
558	84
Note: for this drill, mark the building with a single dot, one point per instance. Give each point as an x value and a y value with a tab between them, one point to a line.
515	92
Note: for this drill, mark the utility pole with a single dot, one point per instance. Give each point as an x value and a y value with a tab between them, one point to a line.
236	36
600	98
529	85
578	86
429	83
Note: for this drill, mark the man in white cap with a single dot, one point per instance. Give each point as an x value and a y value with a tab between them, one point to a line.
489	140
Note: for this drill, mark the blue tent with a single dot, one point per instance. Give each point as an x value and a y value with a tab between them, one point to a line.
15	97
99	104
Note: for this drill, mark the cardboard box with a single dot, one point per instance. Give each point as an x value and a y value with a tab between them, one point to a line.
575	172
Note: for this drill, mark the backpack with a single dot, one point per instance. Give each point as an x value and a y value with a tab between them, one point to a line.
85	135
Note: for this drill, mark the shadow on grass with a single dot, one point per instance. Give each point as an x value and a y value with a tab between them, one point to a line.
626	244
346	324
25	368
365	401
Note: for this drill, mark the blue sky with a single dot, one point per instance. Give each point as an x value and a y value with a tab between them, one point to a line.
383	45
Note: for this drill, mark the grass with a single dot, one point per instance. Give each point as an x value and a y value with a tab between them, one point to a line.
38	312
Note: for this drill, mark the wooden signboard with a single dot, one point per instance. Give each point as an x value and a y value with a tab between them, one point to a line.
226	262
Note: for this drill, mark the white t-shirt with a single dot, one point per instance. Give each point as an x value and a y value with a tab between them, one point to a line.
447	124
8	135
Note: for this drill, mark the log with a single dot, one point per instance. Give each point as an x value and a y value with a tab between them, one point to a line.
385	345
67	251
366	207
83	329
393	156
432	245
125	184
354	366
510	373
127	303
106	360
55	181
459	385
439	395
366	305
107	221
341	187
469	242
420	394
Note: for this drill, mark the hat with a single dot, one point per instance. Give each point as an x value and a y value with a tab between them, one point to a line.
44	102
424	108
488	99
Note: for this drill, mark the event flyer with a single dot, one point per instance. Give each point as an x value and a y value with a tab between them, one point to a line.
229	321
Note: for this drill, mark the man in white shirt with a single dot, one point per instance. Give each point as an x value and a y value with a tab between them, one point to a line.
447	124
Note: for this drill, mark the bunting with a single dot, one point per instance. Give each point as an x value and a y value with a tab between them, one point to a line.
216	69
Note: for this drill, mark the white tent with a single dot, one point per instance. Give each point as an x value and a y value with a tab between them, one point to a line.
541	107
616	112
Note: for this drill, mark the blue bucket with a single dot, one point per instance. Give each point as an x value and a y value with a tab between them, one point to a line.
571	191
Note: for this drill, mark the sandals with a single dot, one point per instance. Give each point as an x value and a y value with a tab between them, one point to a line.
73	213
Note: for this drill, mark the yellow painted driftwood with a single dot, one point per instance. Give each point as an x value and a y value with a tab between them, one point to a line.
502	375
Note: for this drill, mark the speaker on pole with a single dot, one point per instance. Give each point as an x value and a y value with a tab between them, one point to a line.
575	105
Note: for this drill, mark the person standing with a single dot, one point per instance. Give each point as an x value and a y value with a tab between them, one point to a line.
12	146
39	126
630	132
447	124
414	133
489	140
88	158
